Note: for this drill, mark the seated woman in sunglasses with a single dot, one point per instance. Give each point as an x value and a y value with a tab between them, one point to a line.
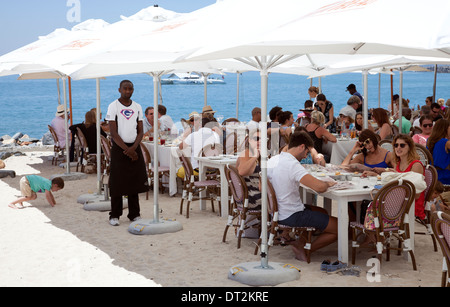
248	165
426	124
372	155
408	160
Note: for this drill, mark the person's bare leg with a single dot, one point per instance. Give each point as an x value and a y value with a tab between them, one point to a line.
298	247
328	236
21	200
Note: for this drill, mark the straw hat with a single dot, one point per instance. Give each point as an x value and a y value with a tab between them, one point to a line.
60	110
208	109
194	114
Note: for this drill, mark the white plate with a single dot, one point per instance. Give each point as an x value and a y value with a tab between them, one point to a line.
215	158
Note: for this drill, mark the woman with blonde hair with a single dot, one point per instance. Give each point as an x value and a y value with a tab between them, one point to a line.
89	129
408	160
318	133
313	91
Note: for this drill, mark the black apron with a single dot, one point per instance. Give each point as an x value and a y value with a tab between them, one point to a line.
127	177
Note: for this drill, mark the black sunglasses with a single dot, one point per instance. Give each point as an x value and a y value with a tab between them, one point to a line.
427	125
366	142
402	145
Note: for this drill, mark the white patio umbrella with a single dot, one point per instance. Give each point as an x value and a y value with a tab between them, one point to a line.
30	61
54	51
341	27
404	34
248	39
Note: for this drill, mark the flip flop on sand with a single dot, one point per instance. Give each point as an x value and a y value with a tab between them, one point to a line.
13	206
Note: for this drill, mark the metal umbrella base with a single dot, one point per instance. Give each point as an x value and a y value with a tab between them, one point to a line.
150	227
253	274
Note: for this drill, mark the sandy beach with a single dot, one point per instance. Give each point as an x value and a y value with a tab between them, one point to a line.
67	246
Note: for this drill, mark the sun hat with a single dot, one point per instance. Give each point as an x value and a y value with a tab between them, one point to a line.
348	111
60	110
208	109
194	114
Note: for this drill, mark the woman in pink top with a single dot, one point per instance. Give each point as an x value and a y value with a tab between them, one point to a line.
426	124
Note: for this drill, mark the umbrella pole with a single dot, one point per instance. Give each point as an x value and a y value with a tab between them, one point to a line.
253	273
264	215
99	150
366	99
237	95
69	80
157	225
392	94
66	124
205	87
400	102
379	90
155	149
434	83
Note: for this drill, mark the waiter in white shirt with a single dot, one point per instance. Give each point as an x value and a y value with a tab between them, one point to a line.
128	174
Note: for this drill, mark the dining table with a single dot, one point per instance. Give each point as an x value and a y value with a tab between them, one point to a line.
220	162
167	156
352	188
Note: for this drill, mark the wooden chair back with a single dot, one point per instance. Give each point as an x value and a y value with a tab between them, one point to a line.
238	186
440	223
425	155
393	202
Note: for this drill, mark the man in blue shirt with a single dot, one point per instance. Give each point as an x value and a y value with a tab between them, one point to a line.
351	88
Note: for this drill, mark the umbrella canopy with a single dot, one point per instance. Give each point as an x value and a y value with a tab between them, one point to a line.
384	62
56	50
341	27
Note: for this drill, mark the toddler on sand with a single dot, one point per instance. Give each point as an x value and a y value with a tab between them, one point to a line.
32	184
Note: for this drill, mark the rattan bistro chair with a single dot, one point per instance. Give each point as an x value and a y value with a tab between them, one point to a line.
425	155
162	170
430	180
390	207
440	222
86	158
192	187
276	229
58	151
238	210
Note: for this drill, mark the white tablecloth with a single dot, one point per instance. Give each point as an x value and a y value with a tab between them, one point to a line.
167	156
339	150
215	162
361	190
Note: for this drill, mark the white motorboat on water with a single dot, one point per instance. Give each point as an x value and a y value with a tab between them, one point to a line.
191	78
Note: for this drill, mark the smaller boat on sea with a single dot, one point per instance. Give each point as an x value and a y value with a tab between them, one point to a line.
191	78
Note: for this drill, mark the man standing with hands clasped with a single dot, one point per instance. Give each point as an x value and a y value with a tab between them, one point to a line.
128	174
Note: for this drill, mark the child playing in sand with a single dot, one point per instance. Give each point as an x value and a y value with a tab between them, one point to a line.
32	184
436	202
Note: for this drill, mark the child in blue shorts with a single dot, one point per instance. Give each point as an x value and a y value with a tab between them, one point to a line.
32	184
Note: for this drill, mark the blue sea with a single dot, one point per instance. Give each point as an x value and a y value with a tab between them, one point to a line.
28	106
